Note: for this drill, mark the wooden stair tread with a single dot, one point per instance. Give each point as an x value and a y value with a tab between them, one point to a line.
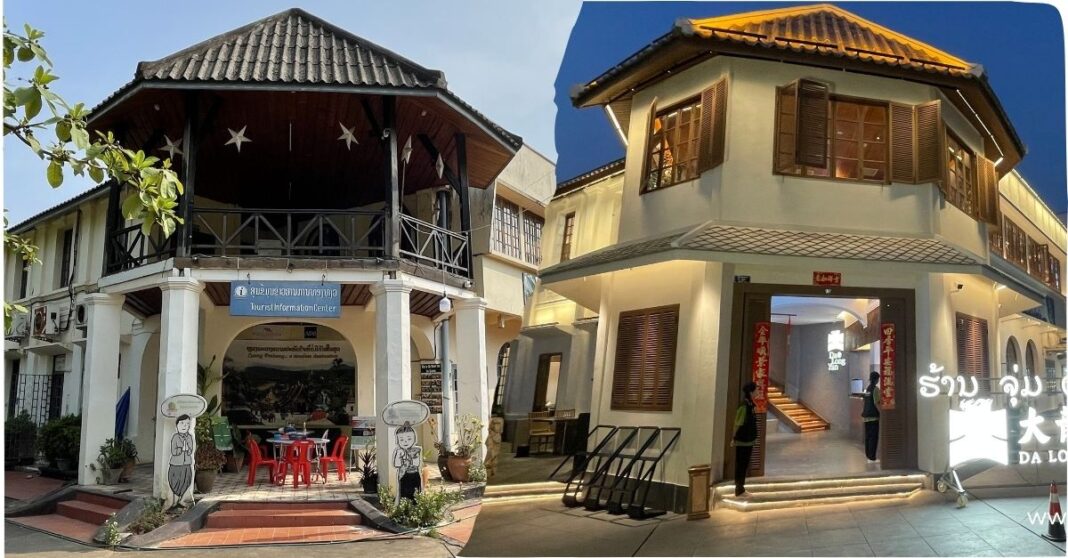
797	416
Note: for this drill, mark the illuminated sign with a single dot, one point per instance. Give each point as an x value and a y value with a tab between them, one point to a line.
835	350
761	362
887	368
827	278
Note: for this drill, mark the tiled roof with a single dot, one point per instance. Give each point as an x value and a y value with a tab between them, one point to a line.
291	47
777	242
828	29
589	176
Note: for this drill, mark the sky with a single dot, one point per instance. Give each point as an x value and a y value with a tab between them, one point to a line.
501	57
1021	46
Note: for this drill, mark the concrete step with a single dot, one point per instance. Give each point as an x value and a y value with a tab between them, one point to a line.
226	506
85	511
280	517
101	499
524	489
788	494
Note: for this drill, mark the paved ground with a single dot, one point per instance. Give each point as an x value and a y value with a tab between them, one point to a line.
924	525
23	542
20	486
535	468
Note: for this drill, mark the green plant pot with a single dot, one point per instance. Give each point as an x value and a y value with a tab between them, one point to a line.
110	476
205	480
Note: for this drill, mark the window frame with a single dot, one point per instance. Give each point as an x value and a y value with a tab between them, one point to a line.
973	190
694	141
66	257
833	99
504	355
622	404
567	237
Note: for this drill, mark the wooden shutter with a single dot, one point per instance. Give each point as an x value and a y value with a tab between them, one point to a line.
786	129
648	145
930	144
902	143
973	358
713	126
643	377
813	101
989	197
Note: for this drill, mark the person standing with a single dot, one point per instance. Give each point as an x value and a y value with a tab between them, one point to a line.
180	470
745	436
870	416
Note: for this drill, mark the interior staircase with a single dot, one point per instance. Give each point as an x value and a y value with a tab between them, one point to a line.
77	518
786	493
792	413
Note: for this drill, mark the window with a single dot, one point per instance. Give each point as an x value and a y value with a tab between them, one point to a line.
65	257
674	136
506	228
960	175
13	390
1036	259
516	232
502	374
1054	273
1015	242
644	372
859	147
1012	357
24	278
1032	359
532	225
566	240
972	355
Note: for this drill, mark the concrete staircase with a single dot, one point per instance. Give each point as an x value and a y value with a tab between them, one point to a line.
245	515
530	490
793	414
787	493
77	518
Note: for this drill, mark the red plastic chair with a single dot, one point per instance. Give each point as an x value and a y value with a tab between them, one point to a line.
256	460
337	457
298	458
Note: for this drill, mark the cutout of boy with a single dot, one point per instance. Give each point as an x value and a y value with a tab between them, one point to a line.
180	472
408	460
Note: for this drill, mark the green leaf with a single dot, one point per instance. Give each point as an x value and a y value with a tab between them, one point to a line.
63	130
34	144
131	206
80	137
23	95
33	108
55	174
97	174
25	54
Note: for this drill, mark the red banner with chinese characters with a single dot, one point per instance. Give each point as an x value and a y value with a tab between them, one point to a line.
827	278
761	364
887	365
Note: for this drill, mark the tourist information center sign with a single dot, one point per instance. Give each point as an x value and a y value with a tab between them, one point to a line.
285	299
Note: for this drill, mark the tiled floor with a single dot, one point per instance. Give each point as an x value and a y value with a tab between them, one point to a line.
272	535
60	525
814	453
536	468
925	525
28	486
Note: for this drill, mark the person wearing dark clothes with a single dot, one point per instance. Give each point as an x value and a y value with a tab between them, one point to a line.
745	436
870	416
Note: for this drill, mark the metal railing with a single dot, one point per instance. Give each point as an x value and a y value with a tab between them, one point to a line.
129	247
434	246
303	233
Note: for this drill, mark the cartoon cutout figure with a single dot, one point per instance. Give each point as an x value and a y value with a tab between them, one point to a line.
408	460
180	472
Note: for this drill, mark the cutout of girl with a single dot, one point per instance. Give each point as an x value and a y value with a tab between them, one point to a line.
408	460
180	472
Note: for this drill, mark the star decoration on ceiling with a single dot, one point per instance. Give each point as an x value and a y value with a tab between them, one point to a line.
440	166
172	147
406	153
237	138
347	136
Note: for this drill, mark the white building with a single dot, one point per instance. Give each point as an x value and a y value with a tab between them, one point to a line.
430	200
815	171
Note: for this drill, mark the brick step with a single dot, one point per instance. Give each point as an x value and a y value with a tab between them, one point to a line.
59	525
525	489
284	506
101	500
280	517
85	511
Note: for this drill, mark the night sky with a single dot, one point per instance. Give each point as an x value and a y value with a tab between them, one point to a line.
1021	46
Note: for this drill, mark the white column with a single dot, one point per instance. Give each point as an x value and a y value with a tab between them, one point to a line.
100	380
178	353
72	386
472	374
393	367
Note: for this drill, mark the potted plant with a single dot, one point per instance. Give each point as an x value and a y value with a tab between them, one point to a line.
369	469
428	466
468	439
110	461
129	451
443	452
20	439
60	440
207	458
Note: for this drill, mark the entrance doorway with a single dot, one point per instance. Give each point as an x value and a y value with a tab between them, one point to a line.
548	383
823	344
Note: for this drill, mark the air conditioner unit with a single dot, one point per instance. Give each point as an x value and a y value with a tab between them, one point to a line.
20	327
40	321
61	363
59	316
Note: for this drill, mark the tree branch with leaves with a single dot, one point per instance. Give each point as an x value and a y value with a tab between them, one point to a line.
57	132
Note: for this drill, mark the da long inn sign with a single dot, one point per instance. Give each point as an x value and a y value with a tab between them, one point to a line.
1010	426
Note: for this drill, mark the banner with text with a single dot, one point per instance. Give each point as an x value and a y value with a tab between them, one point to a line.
285	299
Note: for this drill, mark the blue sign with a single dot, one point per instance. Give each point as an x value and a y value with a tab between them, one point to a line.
285	299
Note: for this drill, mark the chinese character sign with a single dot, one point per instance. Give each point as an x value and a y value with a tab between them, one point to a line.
887	364
761	364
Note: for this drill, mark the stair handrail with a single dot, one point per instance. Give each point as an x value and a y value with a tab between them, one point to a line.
639	511
606	464
623	476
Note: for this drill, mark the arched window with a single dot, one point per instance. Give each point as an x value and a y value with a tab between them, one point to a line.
1032	359
502	373
1012	356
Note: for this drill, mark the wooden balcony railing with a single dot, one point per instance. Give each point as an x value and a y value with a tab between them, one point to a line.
1012	244
129	247
434	246
302	233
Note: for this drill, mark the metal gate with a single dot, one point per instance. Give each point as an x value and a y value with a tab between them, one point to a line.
40	395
